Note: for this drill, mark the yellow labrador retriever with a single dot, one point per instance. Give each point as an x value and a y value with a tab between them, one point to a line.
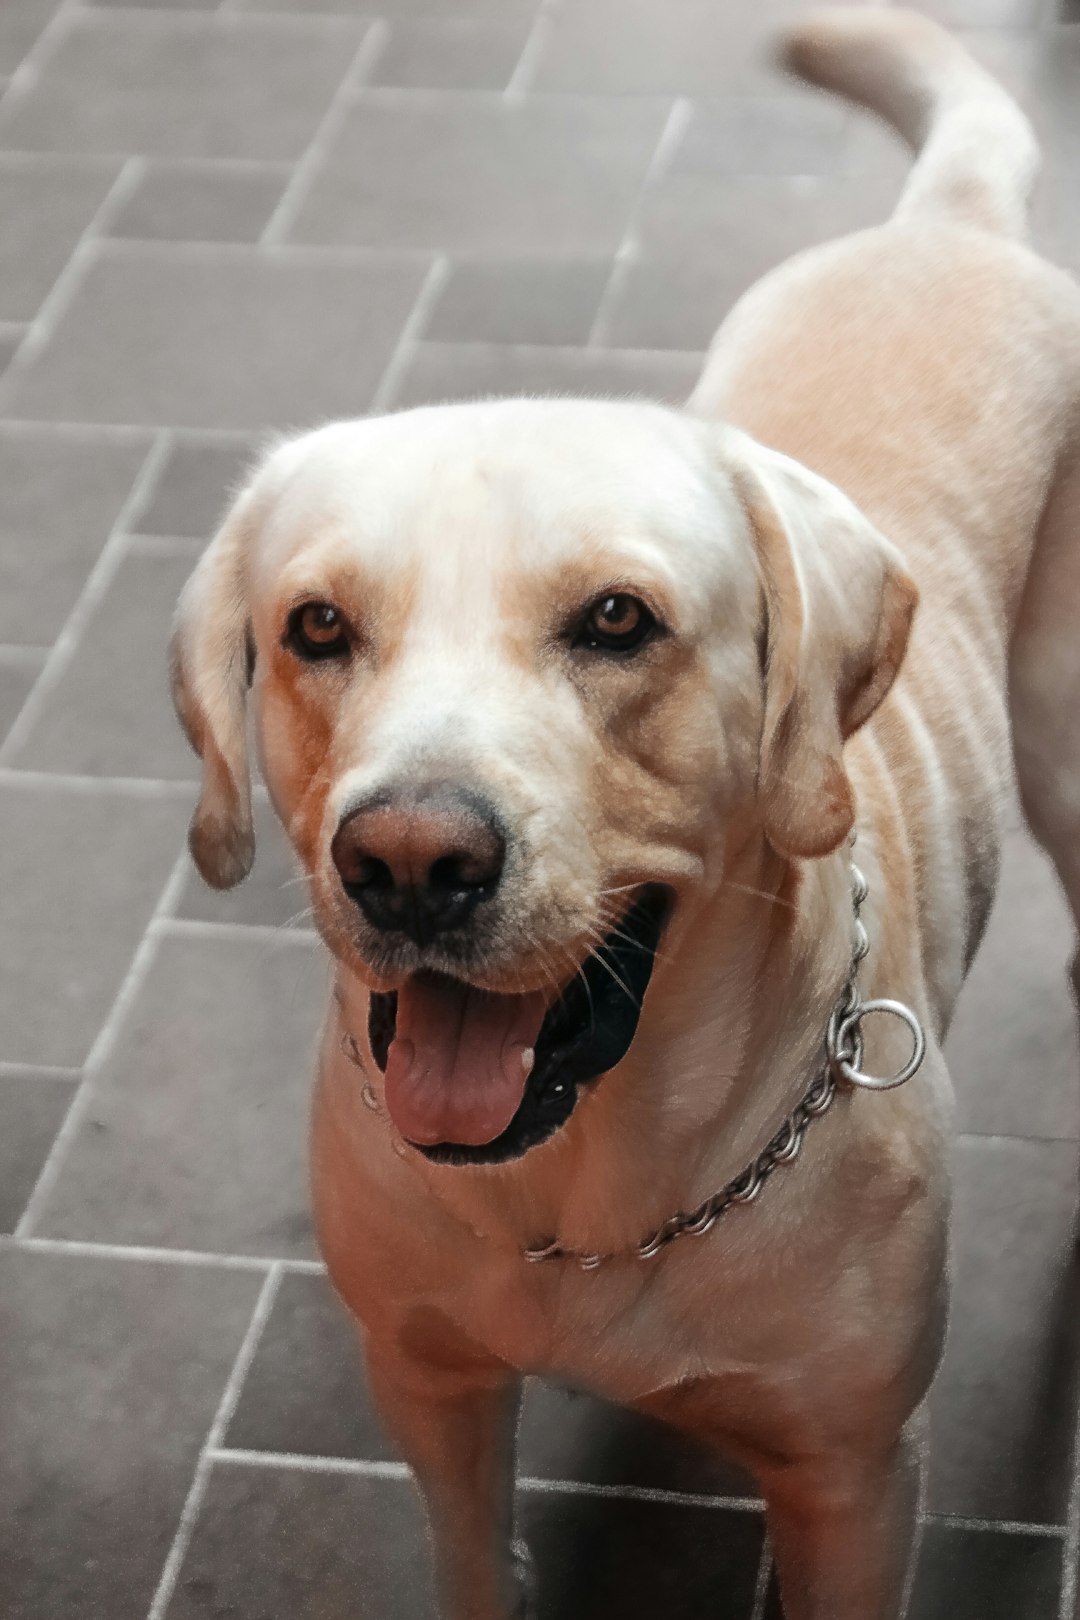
571	710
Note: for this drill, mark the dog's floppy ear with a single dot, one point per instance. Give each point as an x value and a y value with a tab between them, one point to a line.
211	661
839	603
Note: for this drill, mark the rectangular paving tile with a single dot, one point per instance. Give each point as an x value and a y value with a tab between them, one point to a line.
502	300
200	203
980	1575
284	1543
112	1372
472	173
219	338
763	135
111	714
195	488
32	1109
443	371
45	206
987	13
1053	107
196	1133
1013	1051
222	86
59	498
280	1541
706	237
977	1575
684	47
452	53
80	875
1003	1408
305	1391
602	1558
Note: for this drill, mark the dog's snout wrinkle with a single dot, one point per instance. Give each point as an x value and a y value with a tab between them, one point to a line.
419	864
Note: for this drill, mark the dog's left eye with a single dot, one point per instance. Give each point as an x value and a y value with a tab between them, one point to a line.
615	623
316	630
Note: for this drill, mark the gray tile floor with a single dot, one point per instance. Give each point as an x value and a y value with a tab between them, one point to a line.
224	217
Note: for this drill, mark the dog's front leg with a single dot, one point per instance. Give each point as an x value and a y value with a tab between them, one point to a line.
456	1429
845	1530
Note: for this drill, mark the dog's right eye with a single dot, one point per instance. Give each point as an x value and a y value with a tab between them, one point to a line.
316	630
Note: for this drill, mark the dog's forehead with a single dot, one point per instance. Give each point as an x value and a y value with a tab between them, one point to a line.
496	486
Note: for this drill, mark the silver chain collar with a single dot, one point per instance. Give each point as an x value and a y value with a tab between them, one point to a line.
841	1065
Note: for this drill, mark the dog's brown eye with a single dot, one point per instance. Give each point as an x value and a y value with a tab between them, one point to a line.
616	623
316	631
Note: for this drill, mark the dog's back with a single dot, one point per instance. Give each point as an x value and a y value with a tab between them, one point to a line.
930	366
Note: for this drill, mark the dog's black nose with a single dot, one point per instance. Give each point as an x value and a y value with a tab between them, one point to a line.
419	864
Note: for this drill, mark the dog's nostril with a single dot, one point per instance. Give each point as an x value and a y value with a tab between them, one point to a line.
369	873
451	873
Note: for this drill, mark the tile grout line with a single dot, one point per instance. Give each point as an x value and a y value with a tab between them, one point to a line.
150	1254
16	652
194	18
132	982
139	787
638	1493
96	584
303	1463
520	80
373	1468
312	1463
206	929
528	349
431	289
1005	1527
125	432
296	190
222	1417
192	250
39	1071
531	1484
761	1586
628	250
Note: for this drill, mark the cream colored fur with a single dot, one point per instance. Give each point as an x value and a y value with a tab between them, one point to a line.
930	370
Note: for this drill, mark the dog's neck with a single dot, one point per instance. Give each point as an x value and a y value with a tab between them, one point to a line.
732	1029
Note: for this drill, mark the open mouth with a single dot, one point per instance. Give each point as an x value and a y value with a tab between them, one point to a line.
478	1078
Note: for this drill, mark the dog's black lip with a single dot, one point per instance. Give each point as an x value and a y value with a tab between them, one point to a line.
586	1032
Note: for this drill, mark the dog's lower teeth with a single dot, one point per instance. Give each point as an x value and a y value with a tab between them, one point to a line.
528	1058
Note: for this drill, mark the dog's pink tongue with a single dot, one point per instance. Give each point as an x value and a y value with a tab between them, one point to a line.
454	1072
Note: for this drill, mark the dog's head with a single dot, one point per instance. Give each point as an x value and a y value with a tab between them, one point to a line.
517	669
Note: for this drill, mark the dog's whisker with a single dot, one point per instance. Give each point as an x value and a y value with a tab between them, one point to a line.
606	965
612	930
762	894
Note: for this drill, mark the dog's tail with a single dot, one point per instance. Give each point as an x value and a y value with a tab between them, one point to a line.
977	156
